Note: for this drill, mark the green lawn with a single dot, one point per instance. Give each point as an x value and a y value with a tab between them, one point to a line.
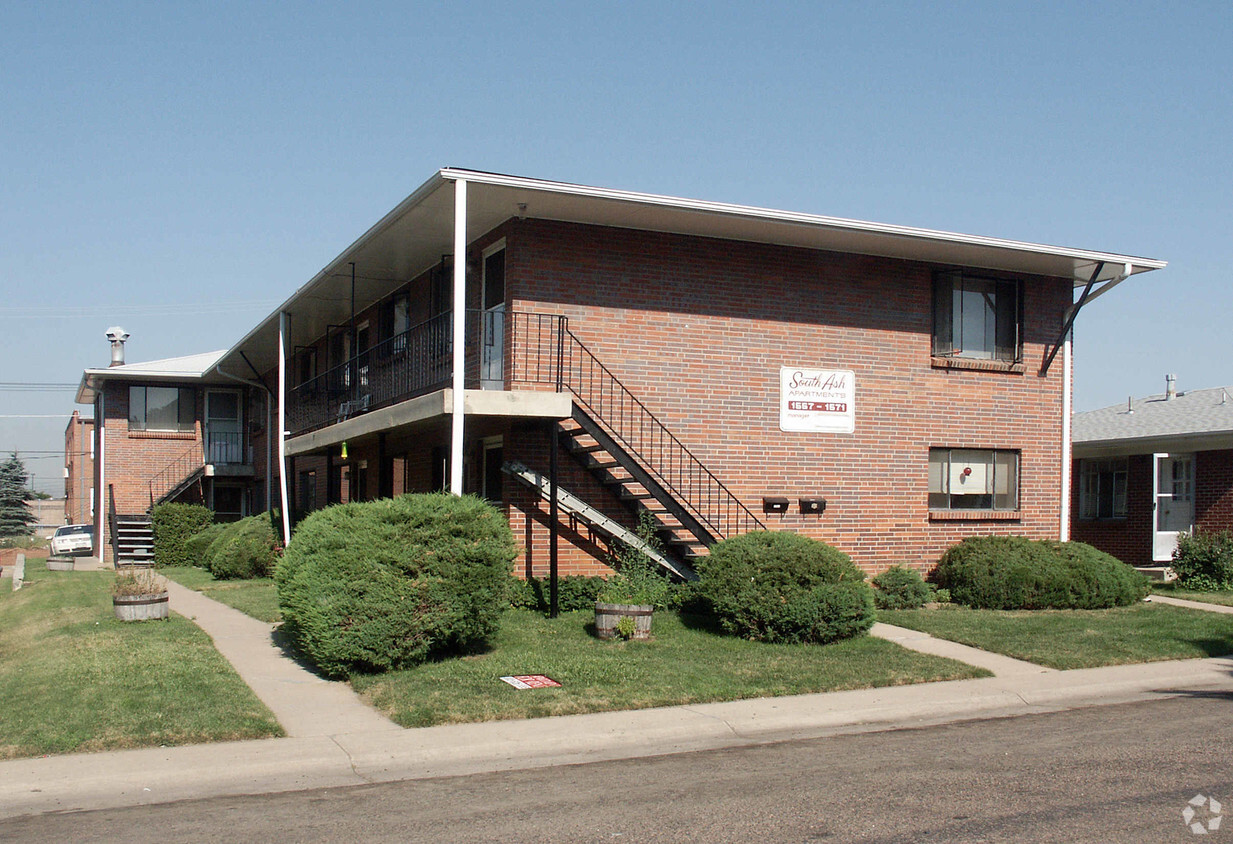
1078	638
257	597
1223	598
683	663
73	678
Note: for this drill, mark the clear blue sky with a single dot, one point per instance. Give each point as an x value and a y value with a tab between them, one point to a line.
179	168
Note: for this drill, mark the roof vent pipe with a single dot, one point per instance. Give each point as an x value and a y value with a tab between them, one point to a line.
1170	387
117	336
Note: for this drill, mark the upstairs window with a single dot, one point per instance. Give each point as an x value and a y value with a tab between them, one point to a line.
1102	489
973	479
161	409
978	318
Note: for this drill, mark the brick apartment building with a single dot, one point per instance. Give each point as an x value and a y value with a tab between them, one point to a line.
1151	469
889	390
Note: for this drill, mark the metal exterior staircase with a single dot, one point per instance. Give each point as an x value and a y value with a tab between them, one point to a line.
134	540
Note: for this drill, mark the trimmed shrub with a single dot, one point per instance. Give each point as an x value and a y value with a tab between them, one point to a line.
1204	561
174	525
243	550
1016	573
197	545
784	587
378	585
900	588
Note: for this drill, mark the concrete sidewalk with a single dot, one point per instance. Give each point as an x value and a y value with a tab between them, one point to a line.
302	701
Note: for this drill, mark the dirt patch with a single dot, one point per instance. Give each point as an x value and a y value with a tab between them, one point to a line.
8	556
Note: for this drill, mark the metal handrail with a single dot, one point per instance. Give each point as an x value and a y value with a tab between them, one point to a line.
573	367
175	472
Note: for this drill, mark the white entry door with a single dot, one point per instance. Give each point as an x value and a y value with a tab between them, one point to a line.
1174	482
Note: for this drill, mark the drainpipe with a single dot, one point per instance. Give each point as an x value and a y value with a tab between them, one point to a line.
282	425
459	334
1067	375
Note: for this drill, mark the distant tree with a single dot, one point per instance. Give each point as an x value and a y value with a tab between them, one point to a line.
16	517
37	495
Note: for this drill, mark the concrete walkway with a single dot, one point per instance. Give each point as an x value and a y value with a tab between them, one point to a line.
303	702
1194	605
1001	666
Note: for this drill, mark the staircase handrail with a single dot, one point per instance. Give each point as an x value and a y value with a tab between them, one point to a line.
186	464
637	429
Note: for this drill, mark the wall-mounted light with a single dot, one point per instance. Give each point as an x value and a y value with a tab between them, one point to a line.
343	455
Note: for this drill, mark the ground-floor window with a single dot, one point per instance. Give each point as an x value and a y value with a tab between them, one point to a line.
973	479
1102	488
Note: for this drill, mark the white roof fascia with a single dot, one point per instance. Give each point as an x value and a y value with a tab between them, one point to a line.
1138	264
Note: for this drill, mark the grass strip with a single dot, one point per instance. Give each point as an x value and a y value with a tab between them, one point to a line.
257	597
684	663
1078	638
73	678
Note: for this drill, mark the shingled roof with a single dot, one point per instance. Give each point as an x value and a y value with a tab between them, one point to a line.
1193	418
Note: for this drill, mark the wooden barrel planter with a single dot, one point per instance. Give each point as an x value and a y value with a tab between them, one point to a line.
142	607
607	617
59	563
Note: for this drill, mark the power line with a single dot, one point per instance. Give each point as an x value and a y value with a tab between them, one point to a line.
61	311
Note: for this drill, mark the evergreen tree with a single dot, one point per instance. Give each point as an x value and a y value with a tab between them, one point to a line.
16	518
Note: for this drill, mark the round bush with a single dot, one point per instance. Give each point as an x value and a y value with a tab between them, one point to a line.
173	525
384	584
197	545
900	588
243	550
1016	573
1204	561
784	587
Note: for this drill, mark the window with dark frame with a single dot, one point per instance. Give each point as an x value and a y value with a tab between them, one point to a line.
161	409
973	479
1102	488
977	318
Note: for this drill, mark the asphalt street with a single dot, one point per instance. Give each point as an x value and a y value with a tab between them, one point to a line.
1105	773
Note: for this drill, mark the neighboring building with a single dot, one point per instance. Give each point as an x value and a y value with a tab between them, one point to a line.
887	389
79	471
177	429
1153	468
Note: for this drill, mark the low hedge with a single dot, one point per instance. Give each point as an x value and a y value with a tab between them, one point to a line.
900	588
1204	561
784	587
1016	573
243	550
173	525
384	584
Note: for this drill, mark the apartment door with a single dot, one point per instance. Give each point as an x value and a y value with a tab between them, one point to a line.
492	344
1174	499
224	427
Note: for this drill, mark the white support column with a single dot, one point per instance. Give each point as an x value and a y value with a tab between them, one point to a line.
459	333
282	424
1067	379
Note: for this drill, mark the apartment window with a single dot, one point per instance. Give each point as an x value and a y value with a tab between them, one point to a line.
1102	489
973	479
160	409
979	318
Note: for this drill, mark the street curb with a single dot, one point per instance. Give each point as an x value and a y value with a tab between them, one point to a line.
81	782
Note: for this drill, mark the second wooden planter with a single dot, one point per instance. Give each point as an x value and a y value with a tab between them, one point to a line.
608	616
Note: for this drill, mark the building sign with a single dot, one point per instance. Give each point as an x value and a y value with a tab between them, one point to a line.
817	400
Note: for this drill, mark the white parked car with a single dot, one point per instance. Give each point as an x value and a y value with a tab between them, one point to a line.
73	539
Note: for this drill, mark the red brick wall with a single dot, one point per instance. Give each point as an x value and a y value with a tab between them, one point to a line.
1213	476
1128	539
698	329
79	461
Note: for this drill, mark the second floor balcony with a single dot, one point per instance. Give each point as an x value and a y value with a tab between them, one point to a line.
501	349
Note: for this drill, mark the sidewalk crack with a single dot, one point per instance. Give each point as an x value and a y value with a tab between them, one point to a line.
351	761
